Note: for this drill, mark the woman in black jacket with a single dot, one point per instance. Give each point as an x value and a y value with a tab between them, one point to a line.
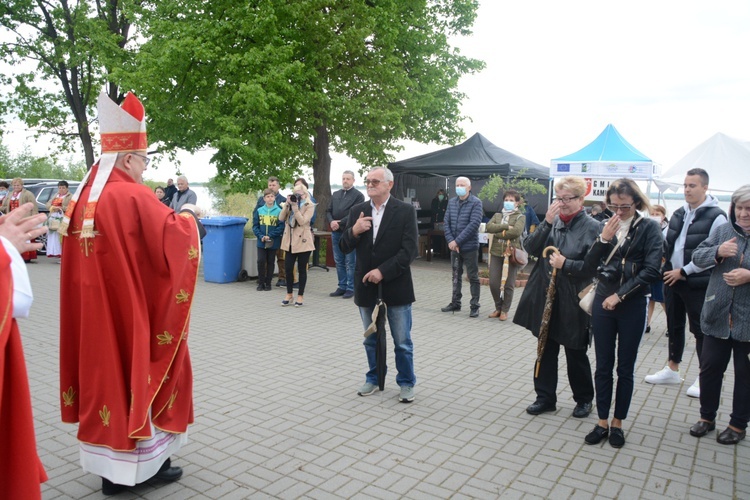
566	227
635	245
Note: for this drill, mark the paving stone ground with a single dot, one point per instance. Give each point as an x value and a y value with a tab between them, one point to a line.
277	414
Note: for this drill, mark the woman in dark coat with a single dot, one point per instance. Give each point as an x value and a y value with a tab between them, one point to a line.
619	312
566	227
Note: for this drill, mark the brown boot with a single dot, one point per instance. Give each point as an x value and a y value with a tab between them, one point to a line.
503	316
494	314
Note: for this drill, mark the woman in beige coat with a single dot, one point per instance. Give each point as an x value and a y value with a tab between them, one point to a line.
298	240
13	200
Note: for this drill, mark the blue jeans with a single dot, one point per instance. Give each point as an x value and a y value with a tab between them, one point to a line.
344	263
399	322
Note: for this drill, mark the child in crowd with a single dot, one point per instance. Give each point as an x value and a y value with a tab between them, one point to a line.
268	229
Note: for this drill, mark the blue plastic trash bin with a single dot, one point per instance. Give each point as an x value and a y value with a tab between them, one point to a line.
222	248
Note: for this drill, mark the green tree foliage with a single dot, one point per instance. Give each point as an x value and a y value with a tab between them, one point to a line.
64	53
25	165
276	85
495	186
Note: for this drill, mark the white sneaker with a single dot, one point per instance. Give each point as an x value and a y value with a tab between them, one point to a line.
694	391
664	376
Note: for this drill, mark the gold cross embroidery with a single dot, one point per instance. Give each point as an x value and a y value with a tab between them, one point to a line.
85	243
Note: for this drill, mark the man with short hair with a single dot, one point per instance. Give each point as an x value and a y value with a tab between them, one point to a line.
383	232
126	289
336	216
274	185
462	220
686	283
184	195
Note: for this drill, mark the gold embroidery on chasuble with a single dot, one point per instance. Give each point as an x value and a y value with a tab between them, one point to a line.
185	215
172	399
192	253
105	415
182	297
165	338
69	396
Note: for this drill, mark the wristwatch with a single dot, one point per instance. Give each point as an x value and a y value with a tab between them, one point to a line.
682	272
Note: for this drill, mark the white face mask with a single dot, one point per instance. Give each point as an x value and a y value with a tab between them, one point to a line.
657	218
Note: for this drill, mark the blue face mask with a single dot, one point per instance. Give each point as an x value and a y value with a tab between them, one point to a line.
509	205
461	191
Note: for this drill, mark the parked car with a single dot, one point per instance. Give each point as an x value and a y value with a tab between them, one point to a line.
46	190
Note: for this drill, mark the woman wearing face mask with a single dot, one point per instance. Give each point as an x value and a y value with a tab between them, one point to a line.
506	228
297	241
659	214
725	320
437	210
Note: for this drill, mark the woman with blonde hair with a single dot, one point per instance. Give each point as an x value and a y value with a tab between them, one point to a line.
568	228
297	241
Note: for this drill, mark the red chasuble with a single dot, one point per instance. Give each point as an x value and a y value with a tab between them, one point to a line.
125	301
21	471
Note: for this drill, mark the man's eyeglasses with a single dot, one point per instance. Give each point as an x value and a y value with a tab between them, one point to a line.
373	182
624	208
146	159
566	200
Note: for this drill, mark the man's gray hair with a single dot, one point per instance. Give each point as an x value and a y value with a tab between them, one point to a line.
742	195
182	177
348	172
462	178
386	172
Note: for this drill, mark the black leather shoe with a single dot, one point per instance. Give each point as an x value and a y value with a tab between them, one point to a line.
168	473
596	436
451	308
730	436
474	312
110	488
701	428
539	407
616	437
582	410
338	293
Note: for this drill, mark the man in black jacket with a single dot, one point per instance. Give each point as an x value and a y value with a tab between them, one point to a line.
336	216
686	283
383	232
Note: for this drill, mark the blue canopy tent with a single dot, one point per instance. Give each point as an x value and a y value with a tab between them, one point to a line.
606	158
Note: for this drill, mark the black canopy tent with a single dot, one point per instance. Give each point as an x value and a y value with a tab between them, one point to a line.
476	158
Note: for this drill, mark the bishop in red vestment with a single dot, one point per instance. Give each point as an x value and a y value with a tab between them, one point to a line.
127	285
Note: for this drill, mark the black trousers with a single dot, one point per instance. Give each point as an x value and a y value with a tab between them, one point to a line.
302	258
680	300
619	331
579	374
714	361
266	257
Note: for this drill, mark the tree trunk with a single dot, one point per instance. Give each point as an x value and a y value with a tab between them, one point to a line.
321	176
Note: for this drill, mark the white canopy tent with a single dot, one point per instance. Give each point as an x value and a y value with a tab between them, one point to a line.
726	160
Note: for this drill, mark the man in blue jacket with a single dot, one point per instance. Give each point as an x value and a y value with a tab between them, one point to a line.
462	220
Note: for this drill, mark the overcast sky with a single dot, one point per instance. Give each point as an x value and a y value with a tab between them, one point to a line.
667	74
